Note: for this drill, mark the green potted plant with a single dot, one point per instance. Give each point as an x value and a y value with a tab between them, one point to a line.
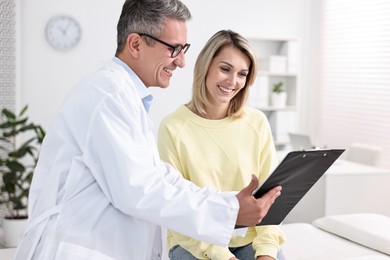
20	141
278	95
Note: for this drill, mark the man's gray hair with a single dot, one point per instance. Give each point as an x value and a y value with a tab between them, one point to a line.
148	16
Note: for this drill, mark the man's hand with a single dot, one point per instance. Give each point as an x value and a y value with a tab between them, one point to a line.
253	210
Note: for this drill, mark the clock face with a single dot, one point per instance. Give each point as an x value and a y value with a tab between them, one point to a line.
63	32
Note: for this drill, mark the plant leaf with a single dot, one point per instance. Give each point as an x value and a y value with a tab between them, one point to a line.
8	113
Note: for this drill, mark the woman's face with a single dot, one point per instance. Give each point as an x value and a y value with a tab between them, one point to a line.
226	75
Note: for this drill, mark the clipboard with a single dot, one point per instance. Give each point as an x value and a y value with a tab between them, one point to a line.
297	174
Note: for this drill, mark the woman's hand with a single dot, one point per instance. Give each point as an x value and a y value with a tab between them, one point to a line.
264	257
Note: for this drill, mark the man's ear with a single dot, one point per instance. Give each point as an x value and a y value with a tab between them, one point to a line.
133	43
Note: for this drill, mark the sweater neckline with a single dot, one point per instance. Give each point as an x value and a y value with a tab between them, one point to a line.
203	121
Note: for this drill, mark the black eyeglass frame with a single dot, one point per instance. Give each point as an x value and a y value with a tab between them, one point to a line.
175	49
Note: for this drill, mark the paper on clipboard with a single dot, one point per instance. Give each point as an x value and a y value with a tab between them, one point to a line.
297	173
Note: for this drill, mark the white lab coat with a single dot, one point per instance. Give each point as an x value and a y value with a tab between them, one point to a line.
100	188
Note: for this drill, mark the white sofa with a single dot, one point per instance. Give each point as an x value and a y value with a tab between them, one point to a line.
351	236
339	237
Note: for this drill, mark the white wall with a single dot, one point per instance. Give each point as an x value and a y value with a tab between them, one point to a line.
310	98
251	18
47	75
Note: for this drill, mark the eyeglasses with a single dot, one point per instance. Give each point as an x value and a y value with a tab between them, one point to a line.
175	49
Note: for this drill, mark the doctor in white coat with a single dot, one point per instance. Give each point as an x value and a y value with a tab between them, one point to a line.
100	189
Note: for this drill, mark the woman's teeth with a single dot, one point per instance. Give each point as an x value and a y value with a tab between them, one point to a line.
225	89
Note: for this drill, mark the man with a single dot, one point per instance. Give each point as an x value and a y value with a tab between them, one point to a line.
100	188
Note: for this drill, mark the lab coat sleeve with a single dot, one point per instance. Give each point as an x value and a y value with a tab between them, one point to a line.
122	155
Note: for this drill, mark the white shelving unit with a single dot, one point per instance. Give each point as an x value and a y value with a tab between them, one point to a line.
278	61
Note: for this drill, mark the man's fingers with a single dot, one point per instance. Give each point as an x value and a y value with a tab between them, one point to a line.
252	210
273	193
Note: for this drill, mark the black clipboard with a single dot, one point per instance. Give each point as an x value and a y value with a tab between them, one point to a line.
297	173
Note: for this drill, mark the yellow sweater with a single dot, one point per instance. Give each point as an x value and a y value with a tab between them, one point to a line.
222	154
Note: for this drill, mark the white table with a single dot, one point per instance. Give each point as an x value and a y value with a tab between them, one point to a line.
5	253
347	187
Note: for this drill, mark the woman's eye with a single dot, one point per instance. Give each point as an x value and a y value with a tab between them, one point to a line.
243	74
225	69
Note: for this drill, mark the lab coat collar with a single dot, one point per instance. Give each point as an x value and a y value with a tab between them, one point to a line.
142	90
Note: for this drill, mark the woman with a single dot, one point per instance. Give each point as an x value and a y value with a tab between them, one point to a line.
216	134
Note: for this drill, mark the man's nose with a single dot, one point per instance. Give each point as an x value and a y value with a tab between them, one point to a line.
180	60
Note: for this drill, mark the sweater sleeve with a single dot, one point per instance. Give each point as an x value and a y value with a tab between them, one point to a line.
167	149
201	250
268	240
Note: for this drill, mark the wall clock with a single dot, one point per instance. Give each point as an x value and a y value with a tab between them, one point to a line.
63	32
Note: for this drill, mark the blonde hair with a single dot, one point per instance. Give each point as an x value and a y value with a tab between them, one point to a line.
212	48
